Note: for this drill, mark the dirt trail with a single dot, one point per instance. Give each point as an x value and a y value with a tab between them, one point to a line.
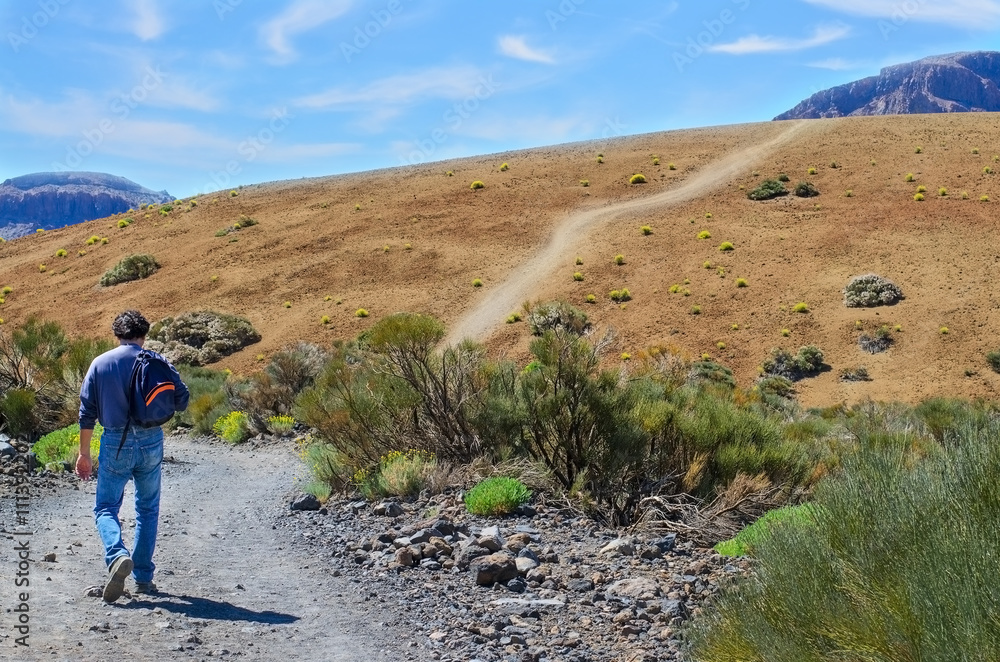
497	302
228	577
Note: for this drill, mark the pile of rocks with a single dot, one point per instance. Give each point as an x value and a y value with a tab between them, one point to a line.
18	467
545	584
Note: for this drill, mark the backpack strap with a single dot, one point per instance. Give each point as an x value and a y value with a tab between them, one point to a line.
131	389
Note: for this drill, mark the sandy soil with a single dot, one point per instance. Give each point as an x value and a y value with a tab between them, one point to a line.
312	243
230	583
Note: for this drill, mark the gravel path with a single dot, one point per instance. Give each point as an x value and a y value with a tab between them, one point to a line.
231	586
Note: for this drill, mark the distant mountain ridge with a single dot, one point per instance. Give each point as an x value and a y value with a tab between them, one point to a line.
55	199
955	83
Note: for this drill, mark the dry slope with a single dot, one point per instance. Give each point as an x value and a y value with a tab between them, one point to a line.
415	238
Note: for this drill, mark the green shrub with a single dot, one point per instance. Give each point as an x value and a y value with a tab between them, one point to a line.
921	189
361	312
783	178
993	360
704	234
870	290
638	178
132	267
232	427
557	316
496	496
204	409
646	230
620	296
61	252
726	246
476	282
280	424
808	361
800	307
398	474
476	185
769	188
741	282
18	409
749	538
893	566
811	171
585	183
578	276
504	167
63	445
806	190
619	259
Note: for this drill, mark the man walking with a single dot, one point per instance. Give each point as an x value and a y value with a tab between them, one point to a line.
105	397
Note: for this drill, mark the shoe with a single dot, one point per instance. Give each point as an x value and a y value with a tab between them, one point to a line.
120	569
146	588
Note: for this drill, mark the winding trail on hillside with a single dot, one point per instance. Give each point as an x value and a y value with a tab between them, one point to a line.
232	584
520	285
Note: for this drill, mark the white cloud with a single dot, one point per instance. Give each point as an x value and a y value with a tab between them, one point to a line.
148	23
517	48
976	14
298	17
838	64
750	44
438	82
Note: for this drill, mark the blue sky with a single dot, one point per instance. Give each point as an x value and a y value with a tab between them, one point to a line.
192	96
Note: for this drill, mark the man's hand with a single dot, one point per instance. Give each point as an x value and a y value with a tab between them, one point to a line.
84	467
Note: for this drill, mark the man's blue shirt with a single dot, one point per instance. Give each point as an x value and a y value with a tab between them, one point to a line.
104	395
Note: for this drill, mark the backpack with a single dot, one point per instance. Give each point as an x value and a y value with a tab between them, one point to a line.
150	393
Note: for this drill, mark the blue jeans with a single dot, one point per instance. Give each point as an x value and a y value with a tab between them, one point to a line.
140	460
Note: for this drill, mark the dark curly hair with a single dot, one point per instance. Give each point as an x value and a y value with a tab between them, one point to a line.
130	325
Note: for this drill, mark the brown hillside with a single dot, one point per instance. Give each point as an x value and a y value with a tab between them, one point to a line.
521	234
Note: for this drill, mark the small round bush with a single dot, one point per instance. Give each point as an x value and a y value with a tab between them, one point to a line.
704	234
61	252
870	290
496	496
806	190
811	171
993	359
769	188
910	177
919	197
476	185
921	189
578	276
591	298
585	183
637	178
504	167
800	307
477	283
726	246
361	312
741	282
132	267
619	259
646	230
